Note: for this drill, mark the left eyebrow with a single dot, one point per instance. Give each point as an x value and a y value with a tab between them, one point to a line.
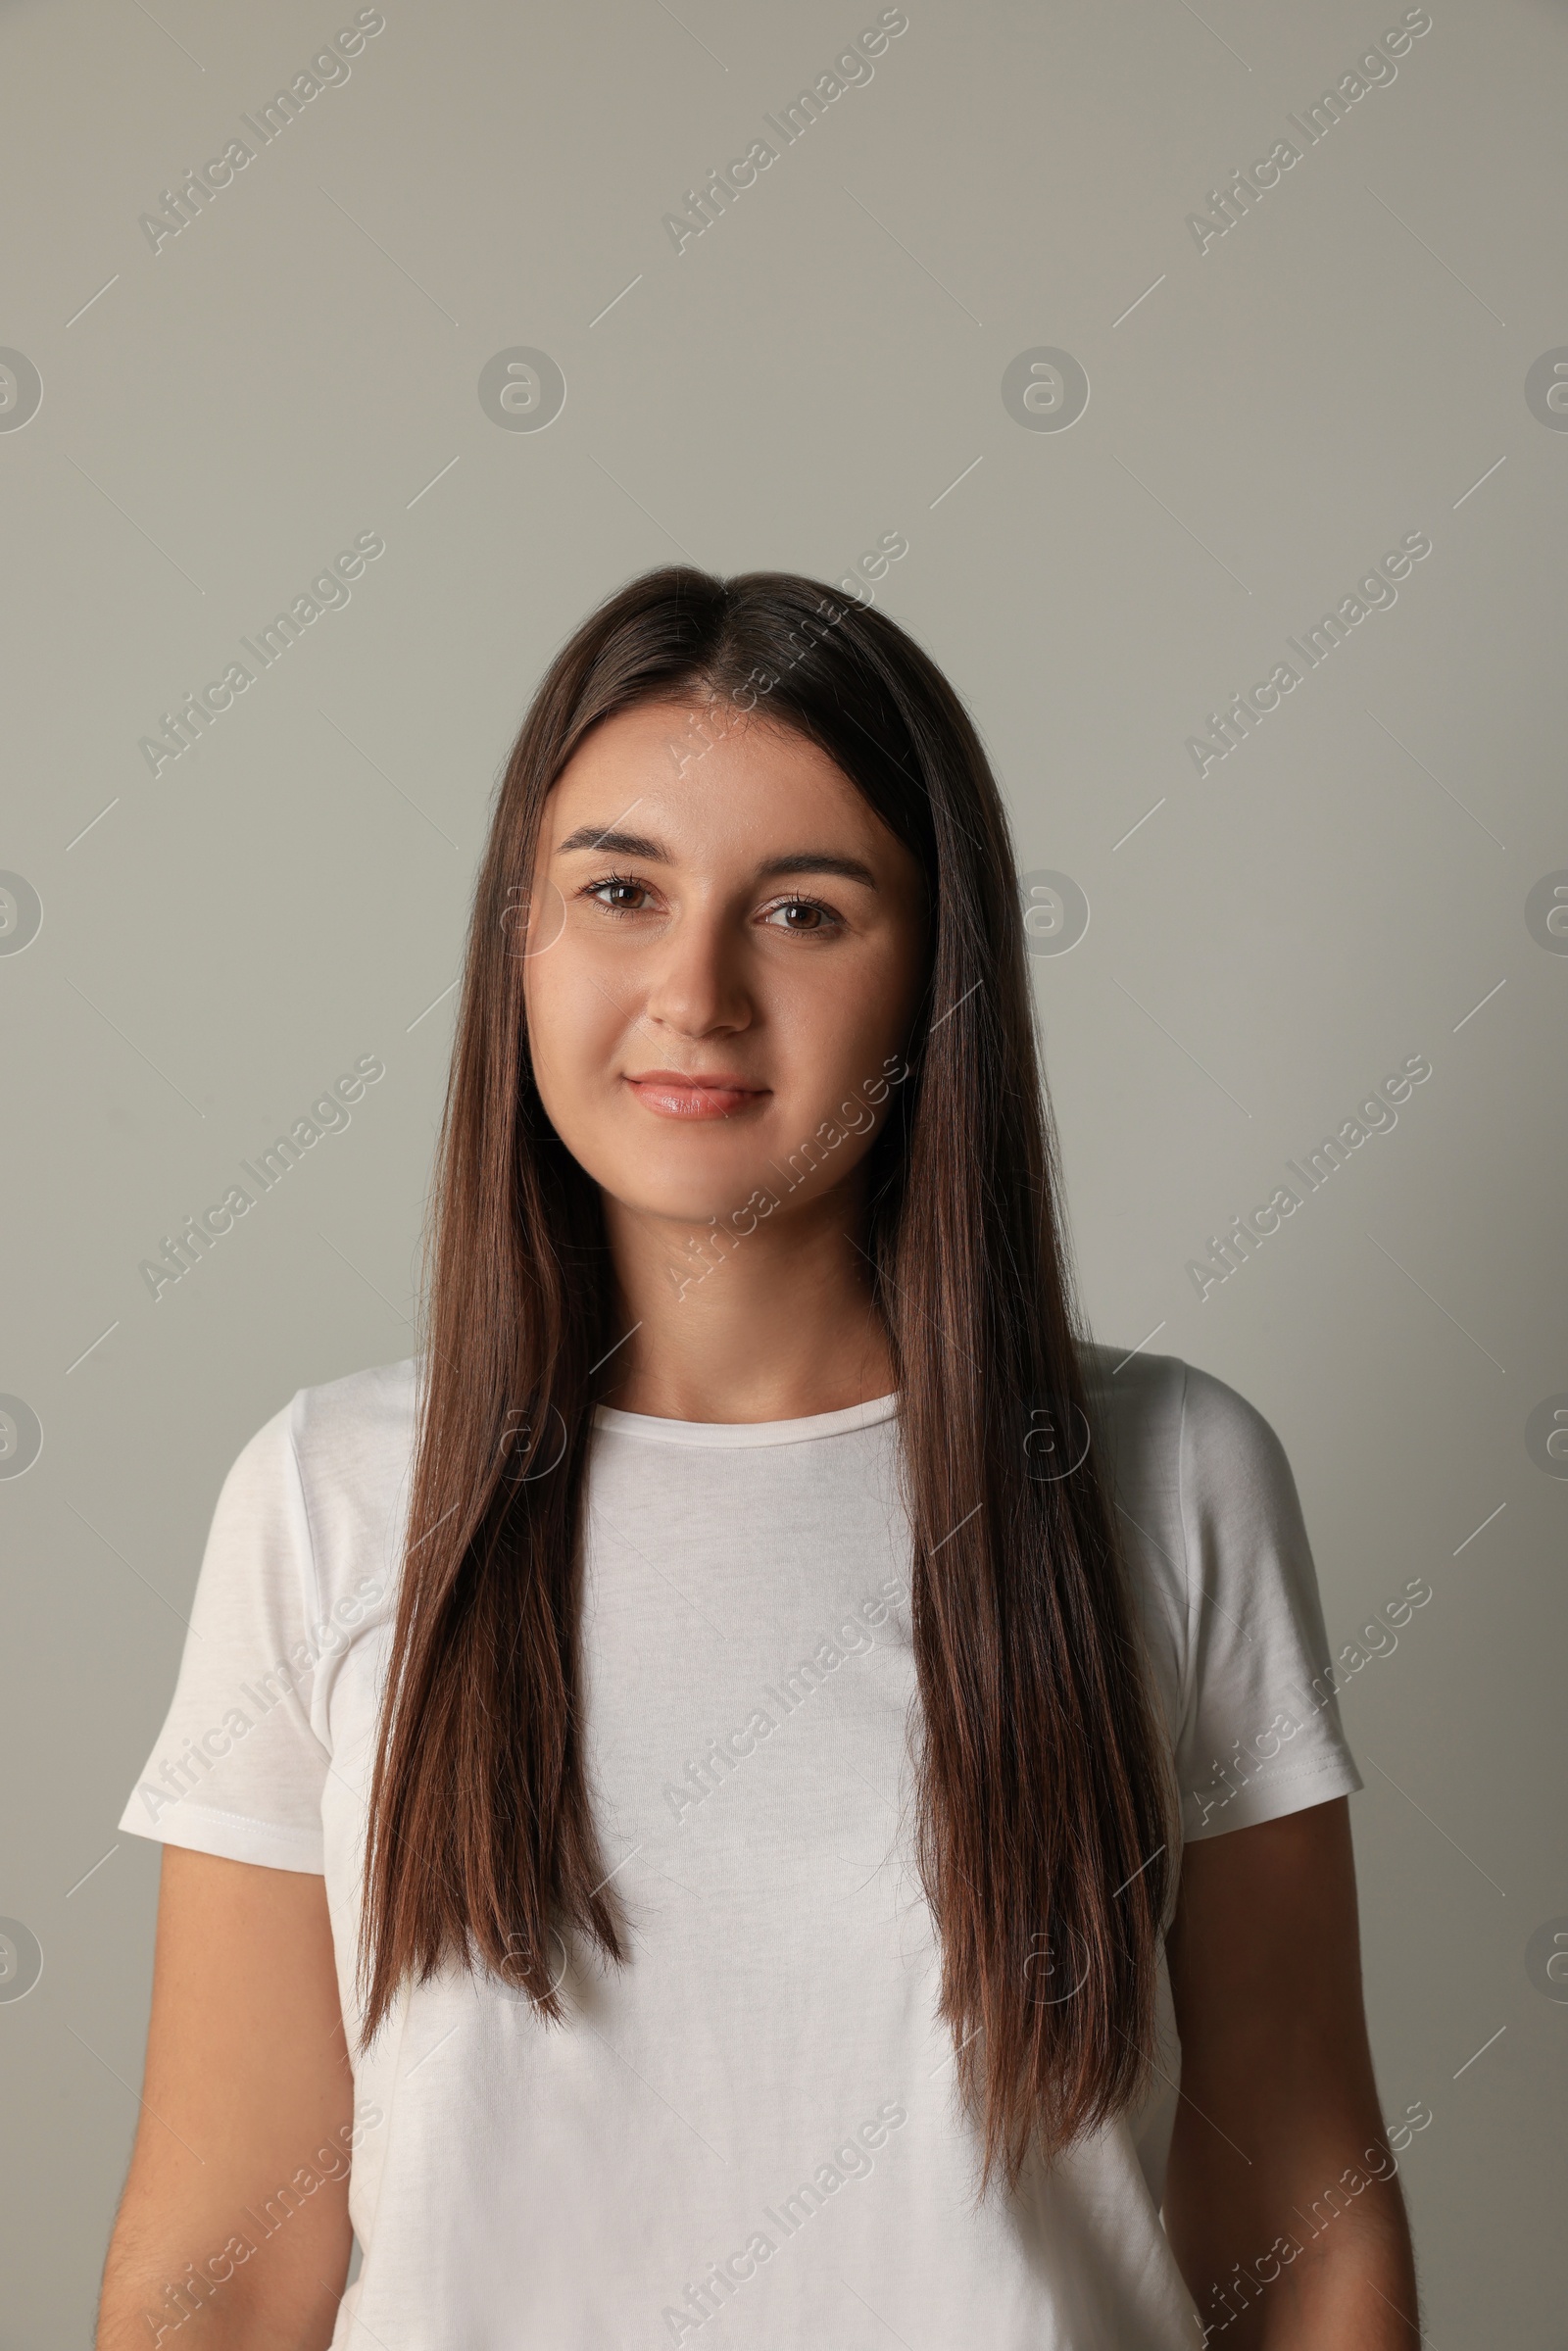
624	845
814	860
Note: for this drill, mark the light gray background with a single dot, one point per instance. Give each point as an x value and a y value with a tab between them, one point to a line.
821	366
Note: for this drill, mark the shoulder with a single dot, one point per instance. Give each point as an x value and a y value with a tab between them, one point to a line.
1201	1488
1222	1575
354	1430
1135	1402
1163	1421
328	1477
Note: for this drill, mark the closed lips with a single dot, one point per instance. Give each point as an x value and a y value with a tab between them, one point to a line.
677	1094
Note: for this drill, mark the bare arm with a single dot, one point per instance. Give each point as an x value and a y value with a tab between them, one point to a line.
1281	2191
247	2098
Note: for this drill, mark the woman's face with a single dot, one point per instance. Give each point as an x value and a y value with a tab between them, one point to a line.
725	951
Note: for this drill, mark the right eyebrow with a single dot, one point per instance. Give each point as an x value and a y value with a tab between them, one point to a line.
625	845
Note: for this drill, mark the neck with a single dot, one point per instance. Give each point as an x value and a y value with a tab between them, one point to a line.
776	1324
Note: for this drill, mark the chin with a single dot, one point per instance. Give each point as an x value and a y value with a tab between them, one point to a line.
695	1203
685	1178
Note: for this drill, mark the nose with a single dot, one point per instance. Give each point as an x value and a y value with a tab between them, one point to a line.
696	982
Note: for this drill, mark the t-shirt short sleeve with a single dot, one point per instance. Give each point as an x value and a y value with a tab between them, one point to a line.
1260	1732
238	1769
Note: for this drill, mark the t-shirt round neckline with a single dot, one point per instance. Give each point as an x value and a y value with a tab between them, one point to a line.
745	1433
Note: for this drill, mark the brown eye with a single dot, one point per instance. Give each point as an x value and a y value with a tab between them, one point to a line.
802	915
617	894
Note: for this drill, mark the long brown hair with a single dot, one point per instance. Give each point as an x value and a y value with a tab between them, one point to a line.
1042	1795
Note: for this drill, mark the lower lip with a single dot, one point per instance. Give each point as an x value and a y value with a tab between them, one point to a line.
689	1103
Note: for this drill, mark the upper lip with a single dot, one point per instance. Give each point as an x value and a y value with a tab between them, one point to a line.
721	1083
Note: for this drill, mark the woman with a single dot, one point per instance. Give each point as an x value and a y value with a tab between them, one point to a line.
718	1786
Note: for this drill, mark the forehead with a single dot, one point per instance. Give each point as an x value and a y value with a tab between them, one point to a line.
702	775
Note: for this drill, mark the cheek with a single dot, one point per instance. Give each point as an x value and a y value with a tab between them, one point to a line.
830	1028
574	1024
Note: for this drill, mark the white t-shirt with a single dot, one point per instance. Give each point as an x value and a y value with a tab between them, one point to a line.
749	2132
